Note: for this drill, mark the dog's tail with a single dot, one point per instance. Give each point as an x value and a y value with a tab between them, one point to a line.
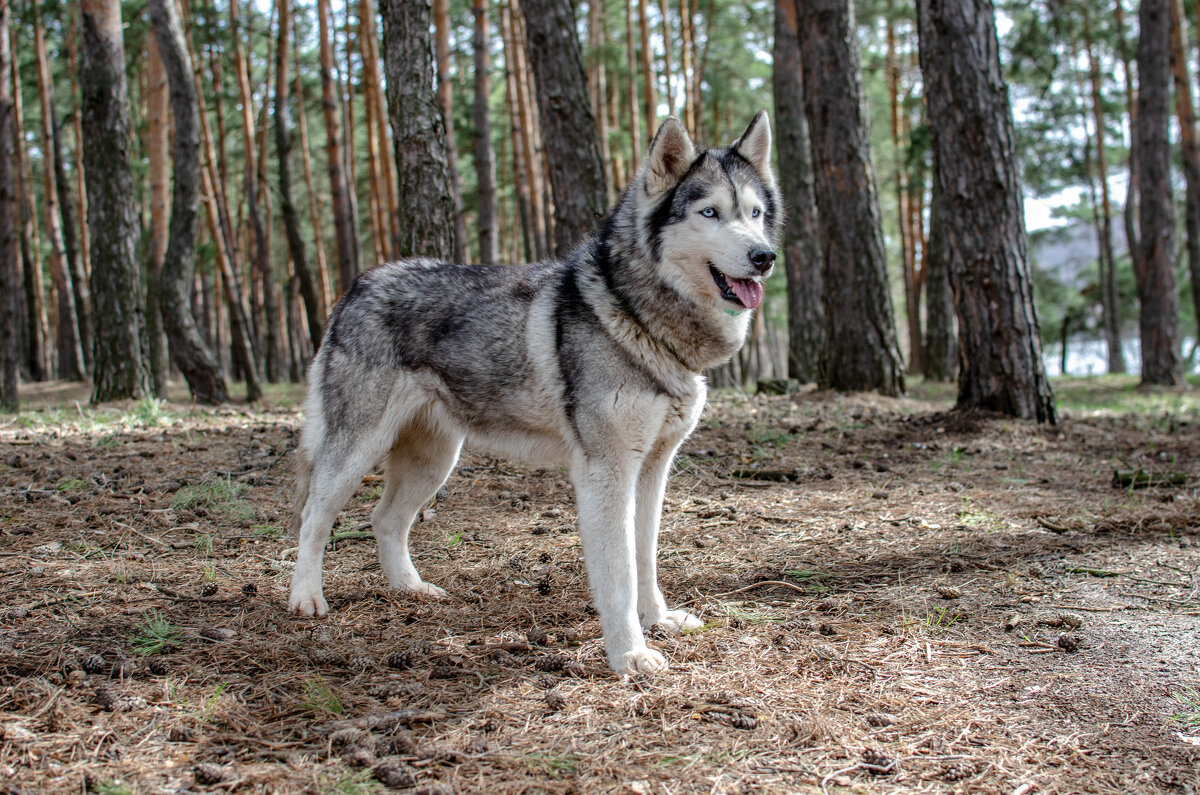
304	471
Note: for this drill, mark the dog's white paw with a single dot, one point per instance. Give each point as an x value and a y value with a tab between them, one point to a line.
307	602
641	661
424	589
678	621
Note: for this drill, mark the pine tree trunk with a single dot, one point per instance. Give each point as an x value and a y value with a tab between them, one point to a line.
1130	215
158	149
941	345
1155	263
666	39
120	369
37	329
445	94
264	328
315	216
212	183
80	187
426	208
345	221
485	158
373	80
381	231
308	285
539	201
70	227
687	65
801	234
1110	297
196	361
1000	350
520	164
1185	110
635	124
649	92
572	150
70	350
597	80
904	201
860	331
10	273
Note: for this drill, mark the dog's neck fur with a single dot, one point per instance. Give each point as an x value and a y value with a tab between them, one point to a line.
644	312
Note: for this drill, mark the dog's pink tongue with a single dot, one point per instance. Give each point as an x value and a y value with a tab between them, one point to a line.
749	292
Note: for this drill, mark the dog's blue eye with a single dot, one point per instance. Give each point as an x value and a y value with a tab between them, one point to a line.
755	212
709	212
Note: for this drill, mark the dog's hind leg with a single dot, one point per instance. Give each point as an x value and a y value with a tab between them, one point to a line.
335	474
418	464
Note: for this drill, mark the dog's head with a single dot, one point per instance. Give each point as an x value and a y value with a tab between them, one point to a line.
712	218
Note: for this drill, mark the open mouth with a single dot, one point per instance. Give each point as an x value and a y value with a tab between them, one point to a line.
746	293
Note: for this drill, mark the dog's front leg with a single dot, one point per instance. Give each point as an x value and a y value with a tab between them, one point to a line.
651	488
604	496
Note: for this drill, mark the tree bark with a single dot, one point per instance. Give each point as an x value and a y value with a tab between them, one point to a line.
649	92
1155	263
535	173
259	250
445	94
1185	110
120	369
801	233
572	149
666	39
80	187
10	273
520	163
70	350
315	216
426	217
1110	297
1000	350
1130	215
860	330
196	361
37	328
635	125
75	261
345	220
283	147
941	346
485	158
158	148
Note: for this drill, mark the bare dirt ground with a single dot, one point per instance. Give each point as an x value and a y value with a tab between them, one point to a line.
897	598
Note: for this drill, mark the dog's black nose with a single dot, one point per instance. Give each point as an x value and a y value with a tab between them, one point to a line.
762	259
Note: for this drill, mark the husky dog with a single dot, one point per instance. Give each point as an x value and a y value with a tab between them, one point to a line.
593	362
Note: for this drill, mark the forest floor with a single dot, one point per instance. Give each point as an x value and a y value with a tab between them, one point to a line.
897	599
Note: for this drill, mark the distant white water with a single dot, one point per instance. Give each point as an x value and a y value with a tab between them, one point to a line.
1090	356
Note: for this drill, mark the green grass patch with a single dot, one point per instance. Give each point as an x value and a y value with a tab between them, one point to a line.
268	532
319	697
218	494
553	764
939	620
73	485
1189	699
111	788
155	635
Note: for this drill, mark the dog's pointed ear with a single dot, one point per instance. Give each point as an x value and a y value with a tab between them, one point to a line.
755	145
671	155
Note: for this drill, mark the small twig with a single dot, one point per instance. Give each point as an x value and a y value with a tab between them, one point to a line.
150	538
795	588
